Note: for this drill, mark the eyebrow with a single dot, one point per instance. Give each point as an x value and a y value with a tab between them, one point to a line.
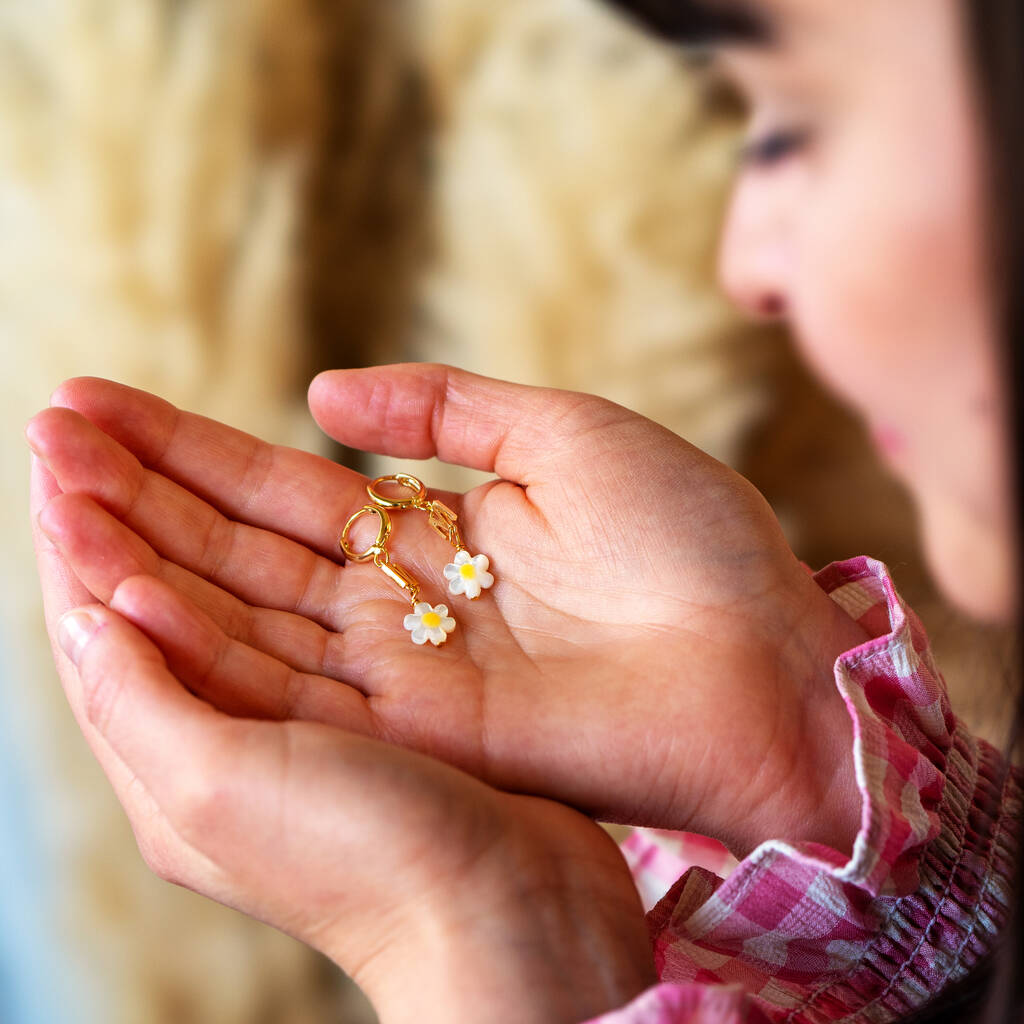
702	23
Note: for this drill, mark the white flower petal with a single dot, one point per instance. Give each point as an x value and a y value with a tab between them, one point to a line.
422	608
438	637
481	563
457	585
451	571
420	634
486	580
448	624
412	621
472	589
440	609
462	557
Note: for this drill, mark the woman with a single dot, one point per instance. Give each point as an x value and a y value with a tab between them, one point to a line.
652	651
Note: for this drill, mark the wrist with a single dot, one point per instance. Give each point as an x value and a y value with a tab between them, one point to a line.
529	945
823	801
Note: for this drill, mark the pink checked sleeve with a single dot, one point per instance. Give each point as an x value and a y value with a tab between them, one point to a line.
798	934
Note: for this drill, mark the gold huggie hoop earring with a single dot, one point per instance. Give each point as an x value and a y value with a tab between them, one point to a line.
467	574
427	621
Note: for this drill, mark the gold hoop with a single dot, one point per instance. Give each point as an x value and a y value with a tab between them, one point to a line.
411	483
377	547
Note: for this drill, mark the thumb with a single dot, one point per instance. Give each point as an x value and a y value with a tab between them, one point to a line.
420	410
147	718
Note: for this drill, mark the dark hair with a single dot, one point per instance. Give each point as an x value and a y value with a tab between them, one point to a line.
995	34
993	992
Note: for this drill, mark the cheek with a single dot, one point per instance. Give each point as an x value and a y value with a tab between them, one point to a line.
888	300
886	272
890	285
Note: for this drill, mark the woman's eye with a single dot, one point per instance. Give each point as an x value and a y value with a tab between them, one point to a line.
773	147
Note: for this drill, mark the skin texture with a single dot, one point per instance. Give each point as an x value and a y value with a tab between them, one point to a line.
649	653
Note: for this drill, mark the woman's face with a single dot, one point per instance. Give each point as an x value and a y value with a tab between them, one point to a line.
858	217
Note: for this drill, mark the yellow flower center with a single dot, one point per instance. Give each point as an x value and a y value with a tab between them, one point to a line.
467	571
431	620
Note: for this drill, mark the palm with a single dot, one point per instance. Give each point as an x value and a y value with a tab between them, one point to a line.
324	858
642	587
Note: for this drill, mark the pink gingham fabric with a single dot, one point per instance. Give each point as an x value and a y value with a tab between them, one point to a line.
799	934
657	858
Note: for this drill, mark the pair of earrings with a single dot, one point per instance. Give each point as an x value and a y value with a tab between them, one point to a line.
467	574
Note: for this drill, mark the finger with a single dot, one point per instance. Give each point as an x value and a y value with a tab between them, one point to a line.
294	493
157	743
103	552
61	587
257	565
419	411
234	677
161	848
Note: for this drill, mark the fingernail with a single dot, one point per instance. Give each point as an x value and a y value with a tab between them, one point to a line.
31	441
74	631
44	525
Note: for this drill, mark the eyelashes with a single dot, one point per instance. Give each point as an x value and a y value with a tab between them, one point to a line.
773	147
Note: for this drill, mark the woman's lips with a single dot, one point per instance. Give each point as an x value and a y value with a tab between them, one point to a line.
888	440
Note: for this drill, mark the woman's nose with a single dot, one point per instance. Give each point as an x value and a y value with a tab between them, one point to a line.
754	264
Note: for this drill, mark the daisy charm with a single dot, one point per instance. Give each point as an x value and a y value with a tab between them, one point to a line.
429	622
468	574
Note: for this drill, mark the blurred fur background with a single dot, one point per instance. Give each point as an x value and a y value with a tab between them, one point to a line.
213	200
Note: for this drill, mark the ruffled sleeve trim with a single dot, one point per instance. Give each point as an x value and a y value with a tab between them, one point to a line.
902	727
688	1004
927	886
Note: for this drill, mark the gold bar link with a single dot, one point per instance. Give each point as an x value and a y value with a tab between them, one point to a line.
445	522
398	575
